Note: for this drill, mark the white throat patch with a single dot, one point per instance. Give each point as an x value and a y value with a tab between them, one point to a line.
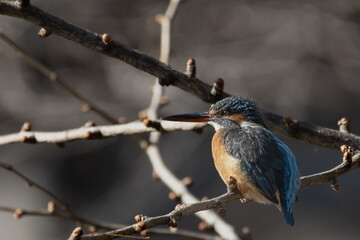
216	125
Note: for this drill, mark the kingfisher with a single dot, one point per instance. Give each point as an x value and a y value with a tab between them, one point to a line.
244	149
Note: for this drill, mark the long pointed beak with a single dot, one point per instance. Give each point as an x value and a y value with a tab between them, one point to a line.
189	117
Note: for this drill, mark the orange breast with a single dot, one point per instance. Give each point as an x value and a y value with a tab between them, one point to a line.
228	166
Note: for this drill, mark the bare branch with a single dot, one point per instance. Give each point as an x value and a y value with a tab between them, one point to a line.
20	212
302	131
31	183
177	214
117	50
95	132
183	210
310	133
53	76
69	214
329	175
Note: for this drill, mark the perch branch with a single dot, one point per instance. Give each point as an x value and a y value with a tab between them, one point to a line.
181	211
71	216
327	176
20	212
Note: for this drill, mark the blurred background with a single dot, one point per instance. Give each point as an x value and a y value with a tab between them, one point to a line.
296	58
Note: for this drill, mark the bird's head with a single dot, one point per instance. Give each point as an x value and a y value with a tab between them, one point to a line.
225	113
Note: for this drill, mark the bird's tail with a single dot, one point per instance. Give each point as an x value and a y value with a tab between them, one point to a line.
288	215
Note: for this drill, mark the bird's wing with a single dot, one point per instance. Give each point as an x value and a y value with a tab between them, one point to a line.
267	161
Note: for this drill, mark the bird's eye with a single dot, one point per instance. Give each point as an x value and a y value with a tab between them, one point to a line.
225	112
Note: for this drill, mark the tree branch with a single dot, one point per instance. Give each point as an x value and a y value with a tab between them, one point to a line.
183	210
94	132
301	130
54	77
180	211
115	49
329	175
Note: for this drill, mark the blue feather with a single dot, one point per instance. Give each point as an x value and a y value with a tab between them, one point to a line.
269	163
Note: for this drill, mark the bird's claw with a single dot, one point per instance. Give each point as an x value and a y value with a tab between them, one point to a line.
245	200
231	184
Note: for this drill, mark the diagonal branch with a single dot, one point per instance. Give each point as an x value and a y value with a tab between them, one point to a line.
180	211
53	76
329	175
31	183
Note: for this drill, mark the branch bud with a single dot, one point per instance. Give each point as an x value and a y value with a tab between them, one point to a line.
155	176
85	108
218	87
92	228
92	135
51	207
173	196
347	157
292	125
173	223
190	68
153	124
246	233
23	3
106	38
204	226
18	213
76	234
344	125
187	181
90	124
159	18
335	184
28	139
26	127
139	226
43	33
140	218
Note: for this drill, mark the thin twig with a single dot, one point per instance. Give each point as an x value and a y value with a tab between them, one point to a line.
54	212
53	76
31	183
20	212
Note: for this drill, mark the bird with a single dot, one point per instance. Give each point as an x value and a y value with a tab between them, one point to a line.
265	170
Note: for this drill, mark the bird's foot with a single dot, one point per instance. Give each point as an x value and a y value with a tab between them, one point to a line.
231	184
245	200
